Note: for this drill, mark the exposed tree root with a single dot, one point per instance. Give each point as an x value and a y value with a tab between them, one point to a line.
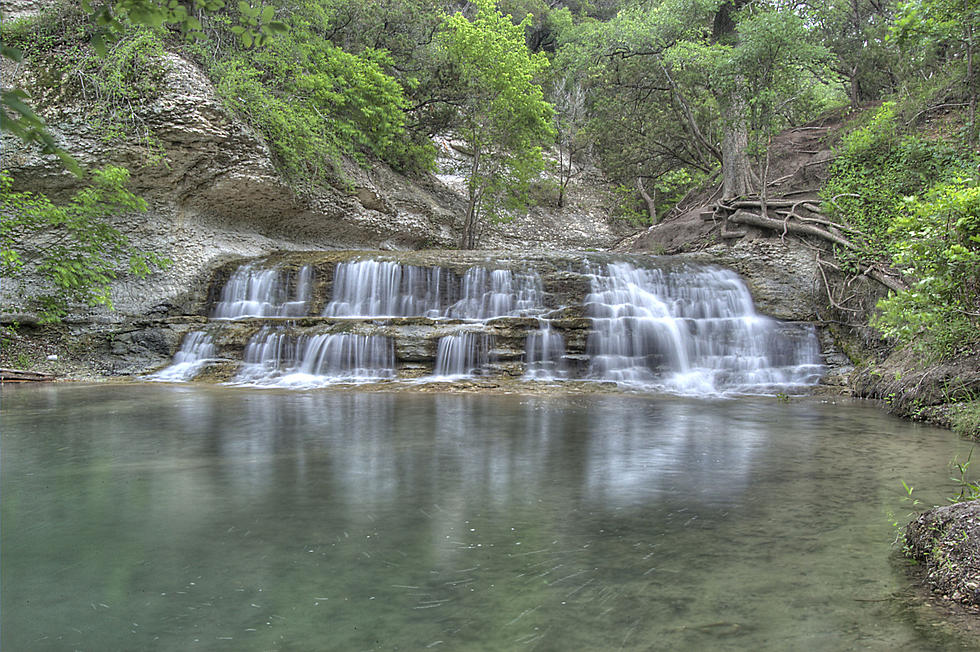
799	217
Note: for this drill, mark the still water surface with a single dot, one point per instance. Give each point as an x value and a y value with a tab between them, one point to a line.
172	518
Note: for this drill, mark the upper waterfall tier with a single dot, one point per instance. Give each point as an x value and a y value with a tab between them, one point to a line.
254	291
371	288
652	323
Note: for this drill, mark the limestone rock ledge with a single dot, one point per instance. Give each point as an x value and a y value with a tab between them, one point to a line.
947	540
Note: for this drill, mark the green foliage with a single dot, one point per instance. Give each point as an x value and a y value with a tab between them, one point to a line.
965	418
937	246
314	101
968	489
628	206
659	83
877	167
71	246
107	22
915	207
256	25
501	112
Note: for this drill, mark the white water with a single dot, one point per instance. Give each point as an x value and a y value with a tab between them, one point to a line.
544	354
684	329
269	292
463	355
371	288
692	330
498	293
195	352
276	358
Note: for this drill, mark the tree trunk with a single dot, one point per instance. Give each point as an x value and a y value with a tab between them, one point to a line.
855	88
736	169
651	202
970	81
467	239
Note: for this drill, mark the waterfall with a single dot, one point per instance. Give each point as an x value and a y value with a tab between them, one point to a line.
265	292
465	354
274	357
195	352
691	330
371	288
544	352
498	293
668	326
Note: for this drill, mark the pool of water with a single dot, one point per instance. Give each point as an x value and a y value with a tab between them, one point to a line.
151	517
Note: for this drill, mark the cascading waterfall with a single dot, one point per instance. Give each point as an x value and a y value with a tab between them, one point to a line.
275	357
675	327
195	352
691	330
269	292
544	352
498	293
371	288
465	354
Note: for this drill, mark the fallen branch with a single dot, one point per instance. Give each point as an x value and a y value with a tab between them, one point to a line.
20	375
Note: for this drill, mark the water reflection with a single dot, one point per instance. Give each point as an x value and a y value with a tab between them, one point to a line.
173	518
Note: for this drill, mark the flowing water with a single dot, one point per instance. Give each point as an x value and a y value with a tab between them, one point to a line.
665	326
167	517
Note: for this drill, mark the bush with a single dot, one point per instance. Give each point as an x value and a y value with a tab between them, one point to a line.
313	101
71	246
937	246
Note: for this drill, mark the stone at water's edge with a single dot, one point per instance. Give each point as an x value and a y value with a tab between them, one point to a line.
947	540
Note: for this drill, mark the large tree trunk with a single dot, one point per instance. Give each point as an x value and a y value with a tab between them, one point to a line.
736	169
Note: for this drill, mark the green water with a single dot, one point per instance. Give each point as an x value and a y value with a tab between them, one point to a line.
152	517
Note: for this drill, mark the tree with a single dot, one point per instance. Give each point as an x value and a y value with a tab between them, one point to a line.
685	85
949	29
570	130
855	32
501	113
71	246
